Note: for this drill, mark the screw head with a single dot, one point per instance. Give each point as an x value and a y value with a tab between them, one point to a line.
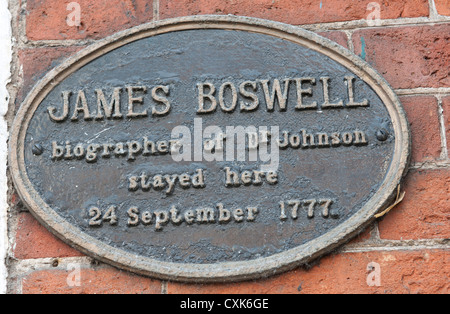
37	149
382	135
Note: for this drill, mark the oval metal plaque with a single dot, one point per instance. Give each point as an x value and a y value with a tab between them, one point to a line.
209	148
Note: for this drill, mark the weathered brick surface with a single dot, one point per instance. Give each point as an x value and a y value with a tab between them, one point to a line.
38	61
47	19
336	36
423	116
364	236
400	272
425	210
443	7
34	241
408	57
446	113
104	280
295	11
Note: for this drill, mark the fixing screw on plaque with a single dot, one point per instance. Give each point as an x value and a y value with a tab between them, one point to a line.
382	135
37	149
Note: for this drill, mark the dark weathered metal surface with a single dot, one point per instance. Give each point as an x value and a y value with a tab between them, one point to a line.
105	177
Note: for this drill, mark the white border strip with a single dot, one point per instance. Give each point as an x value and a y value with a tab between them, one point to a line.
5	75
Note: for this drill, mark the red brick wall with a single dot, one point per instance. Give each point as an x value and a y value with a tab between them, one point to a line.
410	47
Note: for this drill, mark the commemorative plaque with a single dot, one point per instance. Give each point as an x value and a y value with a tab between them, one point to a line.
210	148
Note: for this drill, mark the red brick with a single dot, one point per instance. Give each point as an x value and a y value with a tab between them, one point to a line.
401	272
47	19
34	241
295	11
92	281
446	107
423	116
365	236
443	7
338	37
425	210
38	61
14	199
408	57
